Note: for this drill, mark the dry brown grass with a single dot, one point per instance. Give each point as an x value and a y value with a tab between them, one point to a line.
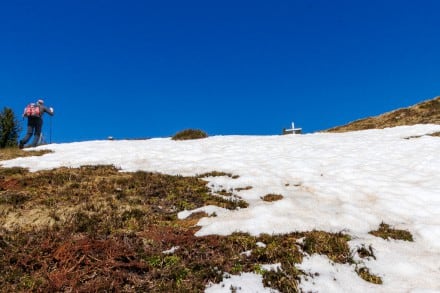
189	134
427	112
217	174
272	197
365	274
12	153
335	246
96	229
386	232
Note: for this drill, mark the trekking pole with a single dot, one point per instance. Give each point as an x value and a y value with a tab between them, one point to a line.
50	131
40	139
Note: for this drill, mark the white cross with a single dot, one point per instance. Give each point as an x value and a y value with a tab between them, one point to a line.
294	130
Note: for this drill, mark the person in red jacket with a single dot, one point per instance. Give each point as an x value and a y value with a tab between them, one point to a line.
34	114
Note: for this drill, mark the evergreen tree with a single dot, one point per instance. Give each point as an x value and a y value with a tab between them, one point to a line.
9	128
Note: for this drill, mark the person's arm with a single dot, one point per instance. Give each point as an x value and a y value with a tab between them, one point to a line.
49	111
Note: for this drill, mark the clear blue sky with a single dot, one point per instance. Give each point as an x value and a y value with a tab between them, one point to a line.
152	68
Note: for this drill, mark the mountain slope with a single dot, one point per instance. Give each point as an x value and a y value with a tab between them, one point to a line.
427	112
356	211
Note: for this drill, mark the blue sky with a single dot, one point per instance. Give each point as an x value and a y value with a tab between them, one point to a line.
133	69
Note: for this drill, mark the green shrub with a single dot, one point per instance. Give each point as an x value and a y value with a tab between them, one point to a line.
190	134
9	128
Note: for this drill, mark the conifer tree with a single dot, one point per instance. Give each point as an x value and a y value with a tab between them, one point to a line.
9	128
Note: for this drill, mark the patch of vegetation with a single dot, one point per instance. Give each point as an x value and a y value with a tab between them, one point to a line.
419	136
284	280
386	232
365	274
14	152
413	137
189	134
9	128
12	171
334	246
14	199
427	112
243	188
217	174
224	192
108	230
59	260
365	252
272	197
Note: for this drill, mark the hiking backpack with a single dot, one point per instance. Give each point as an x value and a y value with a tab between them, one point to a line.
32	110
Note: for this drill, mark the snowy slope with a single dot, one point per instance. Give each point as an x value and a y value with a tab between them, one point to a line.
348	182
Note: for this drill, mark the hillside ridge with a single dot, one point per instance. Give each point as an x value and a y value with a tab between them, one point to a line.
426	112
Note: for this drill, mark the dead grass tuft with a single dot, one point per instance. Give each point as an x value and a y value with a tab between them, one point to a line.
386	232
365	274
243	188
272	197
365	252
334	246
217	174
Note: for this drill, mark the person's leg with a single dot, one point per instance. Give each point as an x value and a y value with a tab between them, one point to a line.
30	130
37	133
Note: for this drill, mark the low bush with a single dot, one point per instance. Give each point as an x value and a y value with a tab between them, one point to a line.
189	134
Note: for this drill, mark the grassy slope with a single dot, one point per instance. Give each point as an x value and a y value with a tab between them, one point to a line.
11	153
97	229
427	112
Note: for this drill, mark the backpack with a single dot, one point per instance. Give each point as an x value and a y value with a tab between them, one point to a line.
32	110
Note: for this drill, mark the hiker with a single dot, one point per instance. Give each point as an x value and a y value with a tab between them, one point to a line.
34	113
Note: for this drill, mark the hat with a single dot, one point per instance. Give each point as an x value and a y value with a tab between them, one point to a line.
41	102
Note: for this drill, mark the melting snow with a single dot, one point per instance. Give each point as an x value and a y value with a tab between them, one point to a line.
348	182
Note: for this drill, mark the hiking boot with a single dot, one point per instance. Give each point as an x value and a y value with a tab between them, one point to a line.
21	145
